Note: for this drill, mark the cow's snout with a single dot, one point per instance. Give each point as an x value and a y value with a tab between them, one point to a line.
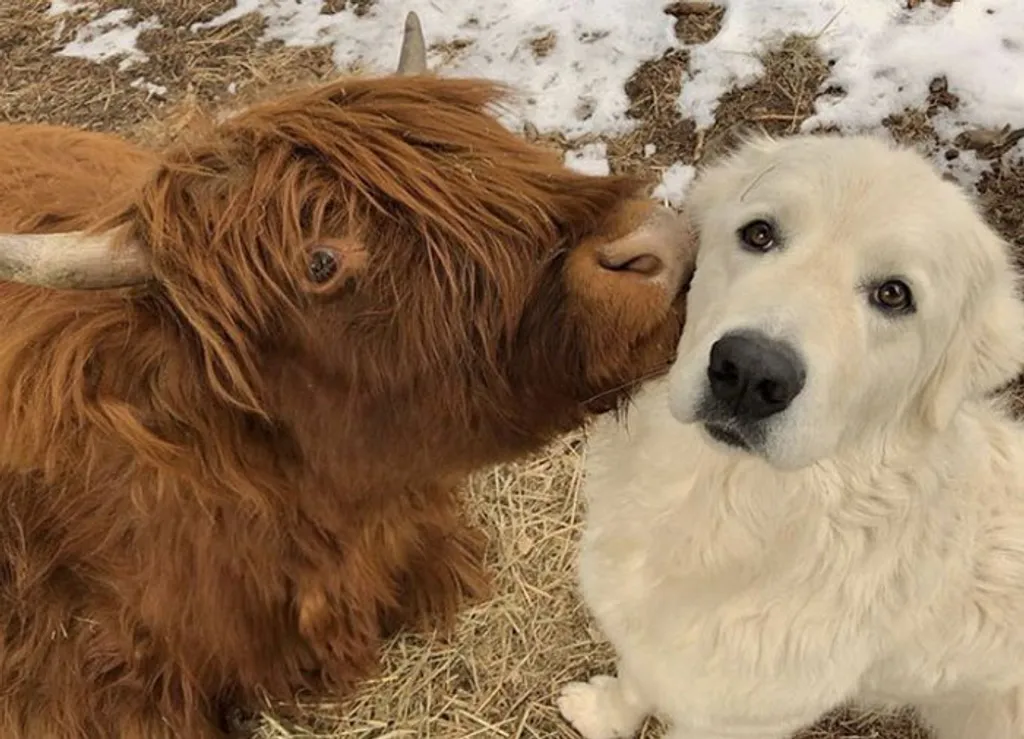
663	249
754	376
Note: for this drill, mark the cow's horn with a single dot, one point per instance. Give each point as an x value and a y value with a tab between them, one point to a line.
73	260
412	59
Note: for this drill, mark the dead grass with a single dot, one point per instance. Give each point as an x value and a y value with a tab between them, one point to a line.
39	86
497	675
778	102
696	22
451	50
541	46
849	724
1002	194
219	66
653	90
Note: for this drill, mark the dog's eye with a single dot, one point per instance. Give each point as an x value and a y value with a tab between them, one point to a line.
758	235
893	296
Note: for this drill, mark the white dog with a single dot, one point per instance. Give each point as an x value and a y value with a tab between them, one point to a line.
820	503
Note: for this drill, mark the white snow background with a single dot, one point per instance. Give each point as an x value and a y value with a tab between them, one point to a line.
882	56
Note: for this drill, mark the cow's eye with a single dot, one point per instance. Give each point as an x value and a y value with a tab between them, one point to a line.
323	265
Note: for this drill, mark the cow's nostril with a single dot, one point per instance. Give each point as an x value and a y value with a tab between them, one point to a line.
644	264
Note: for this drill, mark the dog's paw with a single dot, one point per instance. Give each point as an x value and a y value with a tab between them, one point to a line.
596	709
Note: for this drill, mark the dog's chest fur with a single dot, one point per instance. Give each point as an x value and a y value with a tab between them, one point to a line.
713	571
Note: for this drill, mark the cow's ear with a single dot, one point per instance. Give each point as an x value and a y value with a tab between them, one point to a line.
333	265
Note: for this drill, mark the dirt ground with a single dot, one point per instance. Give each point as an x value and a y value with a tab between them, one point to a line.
497	675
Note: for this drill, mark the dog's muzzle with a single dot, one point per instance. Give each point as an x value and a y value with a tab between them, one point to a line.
751	377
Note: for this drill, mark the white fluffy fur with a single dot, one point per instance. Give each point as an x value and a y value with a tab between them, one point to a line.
872	548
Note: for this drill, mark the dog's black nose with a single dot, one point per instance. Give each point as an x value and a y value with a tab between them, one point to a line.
753	375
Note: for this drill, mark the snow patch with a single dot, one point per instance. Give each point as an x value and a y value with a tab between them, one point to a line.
882	55
589	159
575	86
883	58
110	36
152	90
675	182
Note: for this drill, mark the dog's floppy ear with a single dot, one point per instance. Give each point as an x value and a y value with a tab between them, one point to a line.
986	350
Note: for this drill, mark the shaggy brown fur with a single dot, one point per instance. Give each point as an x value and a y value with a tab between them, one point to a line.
224	487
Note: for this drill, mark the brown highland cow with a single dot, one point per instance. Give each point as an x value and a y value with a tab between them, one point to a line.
243	378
